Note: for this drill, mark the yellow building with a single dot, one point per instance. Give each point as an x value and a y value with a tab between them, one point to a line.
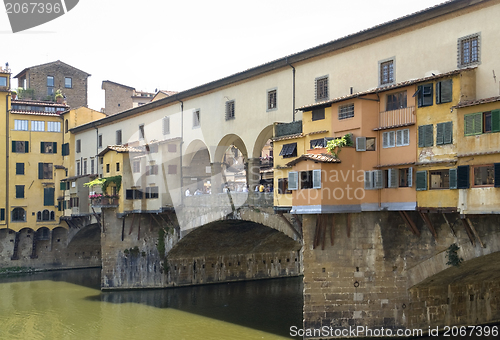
4	109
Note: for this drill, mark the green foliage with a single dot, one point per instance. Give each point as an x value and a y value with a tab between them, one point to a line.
59	94
134	252
105	182
453	258
335	146
10	270
25	94
97	181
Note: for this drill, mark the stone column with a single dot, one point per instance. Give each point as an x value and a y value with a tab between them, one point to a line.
253	173
217	178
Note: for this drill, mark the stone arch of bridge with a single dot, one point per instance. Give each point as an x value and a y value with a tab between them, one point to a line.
262	138
226	142
90	233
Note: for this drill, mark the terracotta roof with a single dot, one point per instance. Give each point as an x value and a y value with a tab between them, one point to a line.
168	93
297	135
444	161
72	178
317	132
36	113
385	88
476	102
121	149
479	153
317	158
393	126
38	103
391	165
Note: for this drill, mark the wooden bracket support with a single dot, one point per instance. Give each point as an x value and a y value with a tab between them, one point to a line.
409	222
469	231
475	233
428	222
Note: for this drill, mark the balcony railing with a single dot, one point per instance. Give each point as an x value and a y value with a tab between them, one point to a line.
104	202
287	129
398	117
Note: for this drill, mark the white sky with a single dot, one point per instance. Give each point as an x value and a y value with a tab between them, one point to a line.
176	45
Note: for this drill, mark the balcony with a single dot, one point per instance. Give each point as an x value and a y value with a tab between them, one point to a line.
397	118
287	129
104	202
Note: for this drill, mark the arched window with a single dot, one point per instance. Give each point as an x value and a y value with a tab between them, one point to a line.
66	126
18	215
39	216
45	215
52	216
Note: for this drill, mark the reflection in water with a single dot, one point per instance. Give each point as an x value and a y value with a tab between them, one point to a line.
48	306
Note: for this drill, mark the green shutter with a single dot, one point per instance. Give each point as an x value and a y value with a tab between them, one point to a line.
448	133
54	146
48	196
62	186
64	205
59	206
429	135
495	121
440	133
453	178
40	170
42	147
2	214
19	168
463	181
26	147
13	146
438	93
478	123
421	180
497	175
421	136
19	191
469	124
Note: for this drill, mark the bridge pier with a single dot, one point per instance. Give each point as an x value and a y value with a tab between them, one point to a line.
253	173
368	277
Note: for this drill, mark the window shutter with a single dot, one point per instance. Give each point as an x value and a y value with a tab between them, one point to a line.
406	137
64	205
26	147
410	177
463	177
478	123
13	146
392	138
421	136
368	180
420	96
293	183
19	168
393	178
316	179
440	134
448	133
429	135
427	94
497	175
446	94
495	121
19	191
469	124
40	170
48	196
421	180
62	186
399	138
42	147
54	146
453	178
360	143
438	92
2	214
379	179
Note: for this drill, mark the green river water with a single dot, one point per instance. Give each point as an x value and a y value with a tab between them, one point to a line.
69	305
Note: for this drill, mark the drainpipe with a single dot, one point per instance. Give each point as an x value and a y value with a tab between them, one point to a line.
378	152
97	160
293	88
7	150
180	151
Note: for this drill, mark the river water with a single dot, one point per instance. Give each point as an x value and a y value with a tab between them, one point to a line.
70	305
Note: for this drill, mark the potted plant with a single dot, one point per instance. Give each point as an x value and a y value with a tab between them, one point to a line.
13	94
59	97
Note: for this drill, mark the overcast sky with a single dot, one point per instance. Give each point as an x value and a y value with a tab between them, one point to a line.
177	45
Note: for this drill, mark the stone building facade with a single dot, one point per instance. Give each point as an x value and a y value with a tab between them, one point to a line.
118	97
44	80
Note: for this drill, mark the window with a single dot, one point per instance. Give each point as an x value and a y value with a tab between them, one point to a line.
141	131
20	146
65	149
230	110
119	137
283	186
444	133
19	191
289	150
405	177
99	141
78	145
66	127
48	147
469	50
54	126
388	139
424	93
117	166
18	215
152	148
196	118
151	170
107	168
317	143
74	202
172	169
172	148
151	192
19	168
374	179
3	81
20	125
272	100
136	167
45	171
421	180
37	125
396	101
48	196
68	82
346	111
387	72
365	143
318	114
132	194
321	84
425	136
444	91
306	179
403	137
78	168
45	216
293	180
92	166
50	81
484	176
440	179
84	166
2	214
482	122
166	125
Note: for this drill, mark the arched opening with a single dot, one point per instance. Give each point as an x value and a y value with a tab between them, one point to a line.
43	233
260	167
231	158
18	215
196	169
45	215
